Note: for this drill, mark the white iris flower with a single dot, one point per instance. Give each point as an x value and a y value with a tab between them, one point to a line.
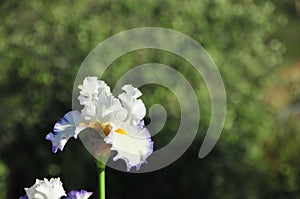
118	121
52	189
46	189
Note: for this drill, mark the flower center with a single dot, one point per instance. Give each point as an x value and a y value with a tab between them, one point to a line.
99	127
106	129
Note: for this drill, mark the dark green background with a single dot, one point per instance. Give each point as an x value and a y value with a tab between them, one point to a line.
255	45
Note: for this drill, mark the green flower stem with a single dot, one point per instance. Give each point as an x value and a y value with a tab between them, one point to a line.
101	168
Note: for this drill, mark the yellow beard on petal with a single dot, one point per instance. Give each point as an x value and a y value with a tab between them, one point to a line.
121	131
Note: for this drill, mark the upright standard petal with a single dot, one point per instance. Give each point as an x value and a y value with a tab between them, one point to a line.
91	87
79	194
135	107
132	143
89	91
109	109
99	103
64	129
46	189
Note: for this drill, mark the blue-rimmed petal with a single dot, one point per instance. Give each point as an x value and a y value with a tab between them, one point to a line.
64	129
132	143
82	194
24	197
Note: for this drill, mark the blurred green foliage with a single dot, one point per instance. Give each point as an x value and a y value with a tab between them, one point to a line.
42	45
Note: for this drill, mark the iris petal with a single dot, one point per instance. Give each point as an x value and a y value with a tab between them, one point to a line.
99	103
109	109
78	194
46	189
89	94
135	107
134	146
64	129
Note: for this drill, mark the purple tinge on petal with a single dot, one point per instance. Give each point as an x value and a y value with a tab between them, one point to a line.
141	124
64	129
134	147
82	194
57	142
24	197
